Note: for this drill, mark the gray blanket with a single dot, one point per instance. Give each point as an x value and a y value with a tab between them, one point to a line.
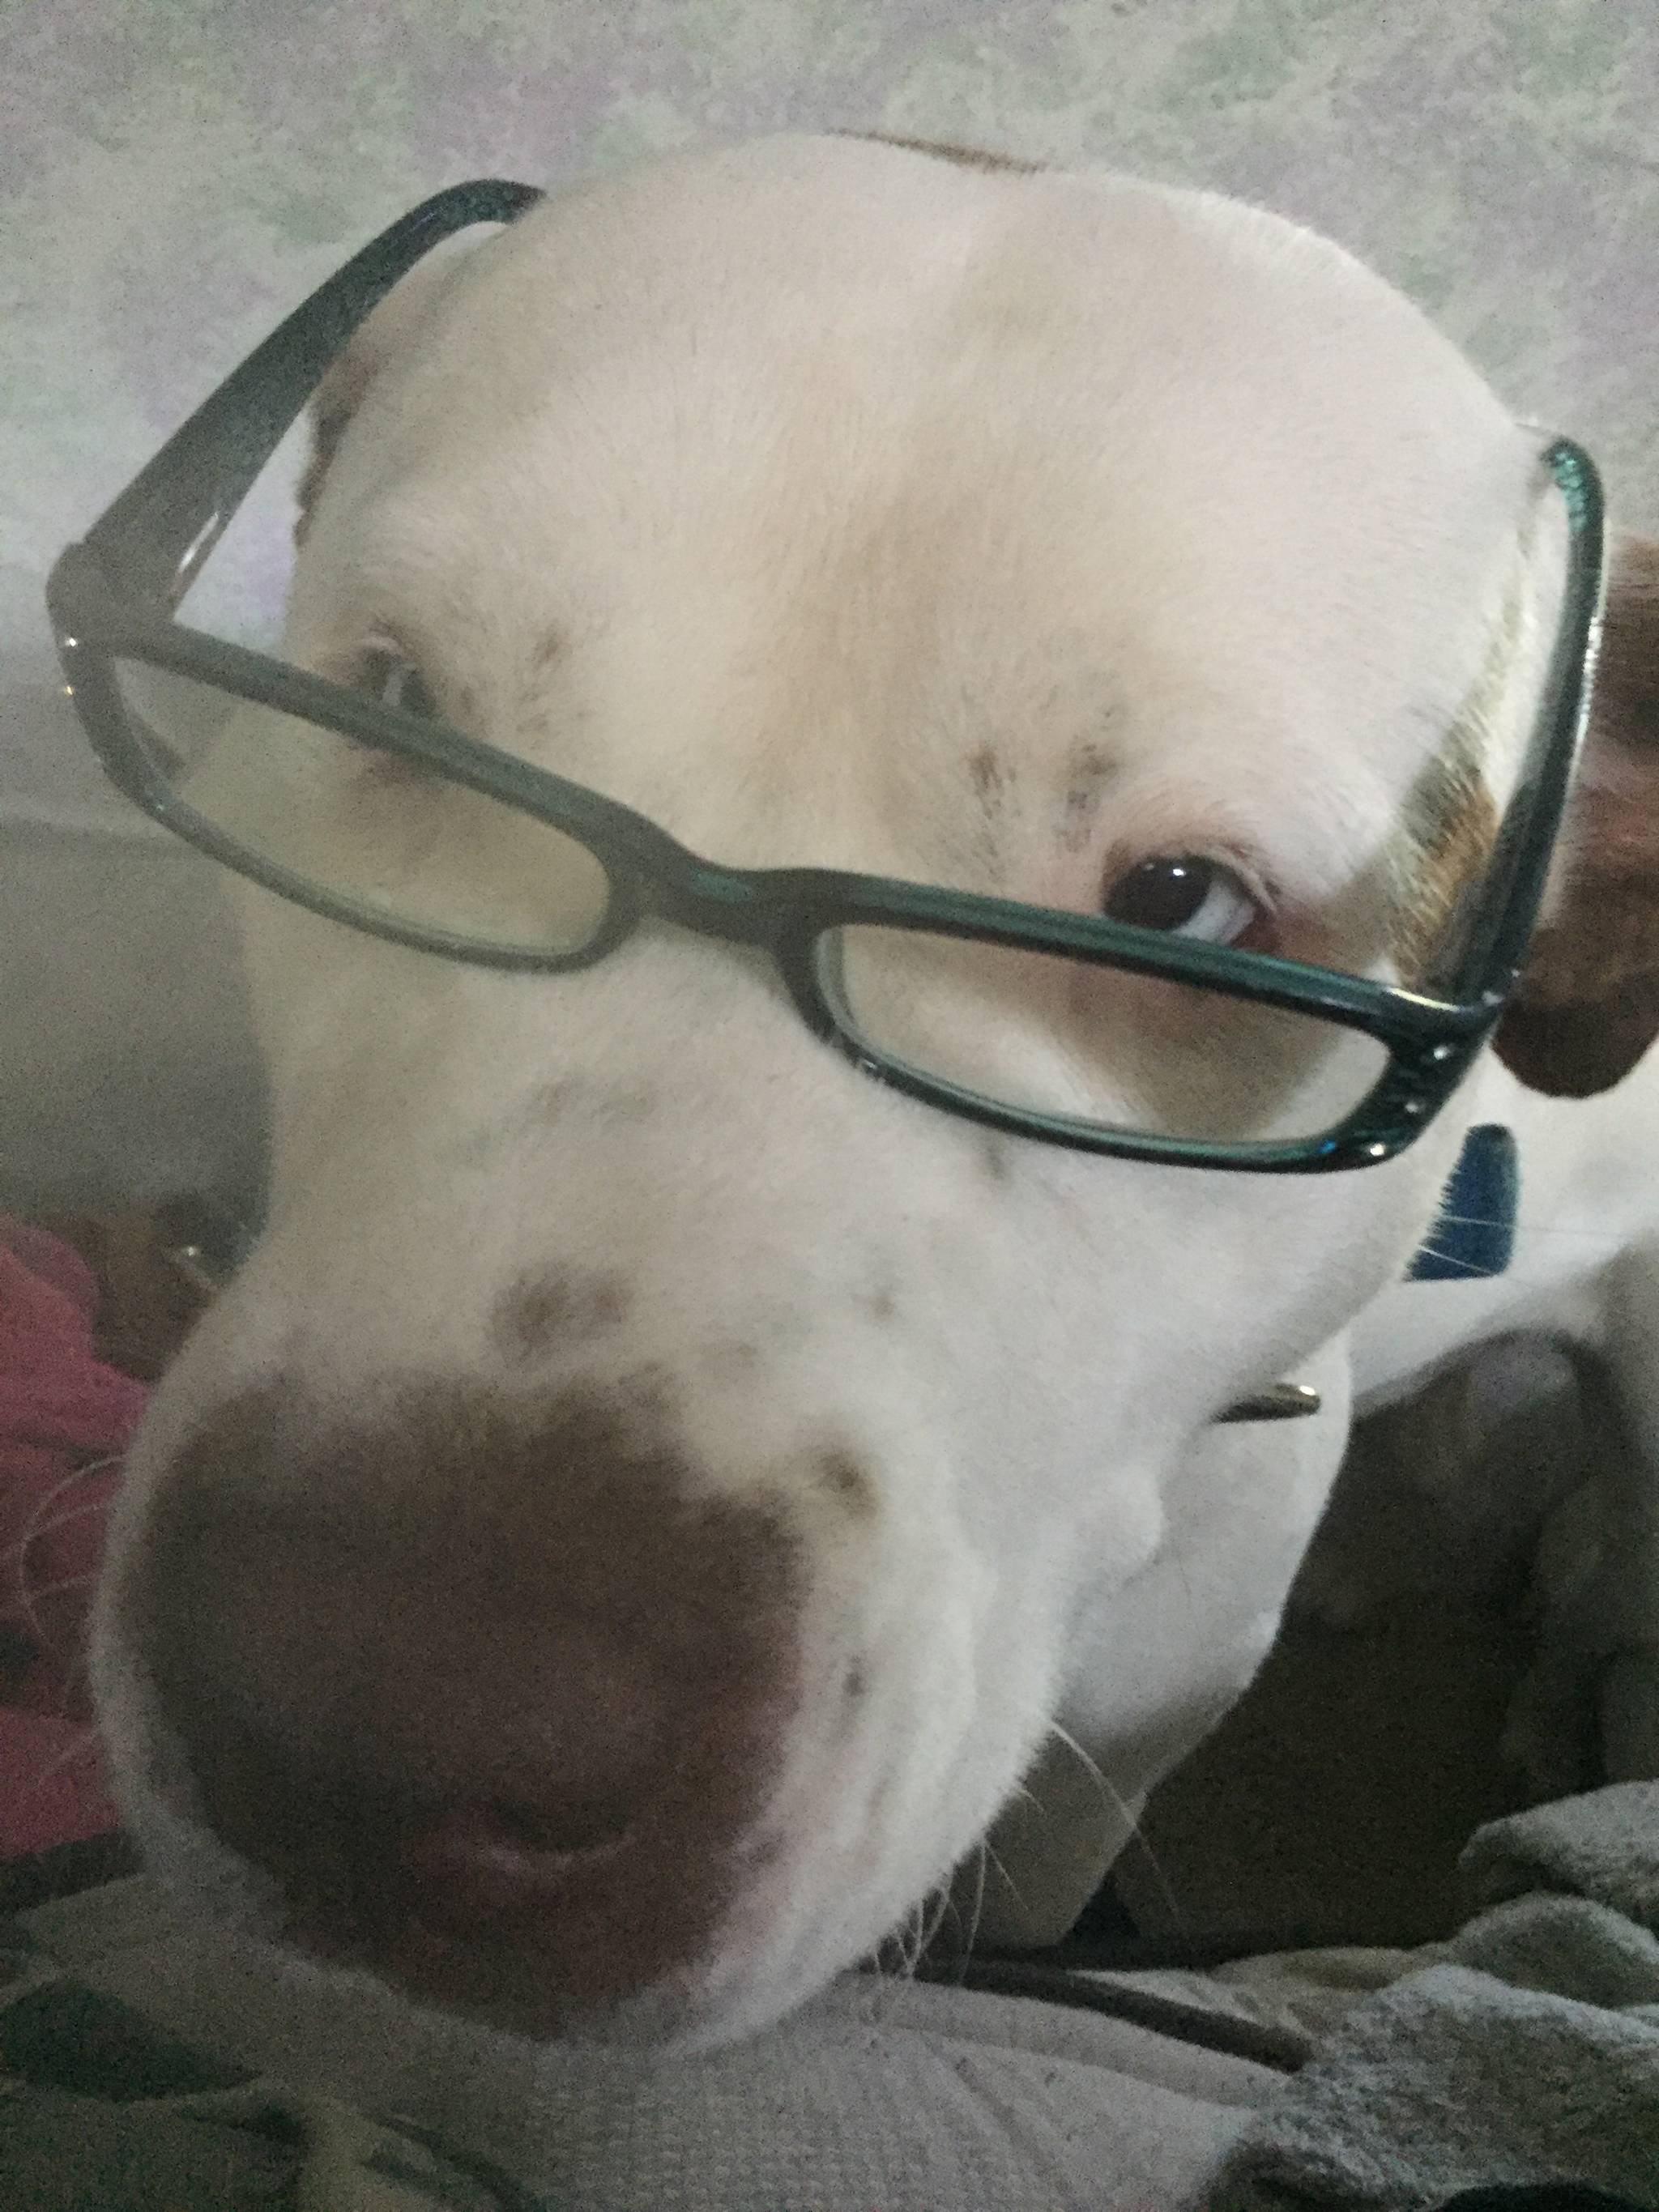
1527	2052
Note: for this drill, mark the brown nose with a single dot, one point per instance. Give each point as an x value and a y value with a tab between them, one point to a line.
488	1691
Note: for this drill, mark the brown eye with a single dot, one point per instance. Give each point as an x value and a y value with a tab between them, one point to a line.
1186	895
390	676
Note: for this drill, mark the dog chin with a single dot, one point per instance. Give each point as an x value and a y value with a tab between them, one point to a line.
422	1976
775	1957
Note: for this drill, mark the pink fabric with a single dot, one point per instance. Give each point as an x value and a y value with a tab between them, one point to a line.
65	1419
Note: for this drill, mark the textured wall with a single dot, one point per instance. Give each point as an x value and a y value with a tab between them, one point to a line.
176	173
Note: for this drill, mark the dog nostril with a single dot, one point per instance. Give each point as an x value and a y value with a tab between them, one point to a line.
477	1866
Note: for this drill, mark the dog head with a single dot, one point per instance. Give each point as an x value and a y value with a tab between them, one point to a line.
627	1529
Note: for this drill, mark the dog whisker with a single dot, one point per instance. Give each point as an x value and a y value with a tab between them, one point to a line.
974	1918
37	1590
37	1531
1115	1801
915	1942
1012	1885
895	1956
942	1910
33	1533
1528	1229
82	1748
1028	1796
38	1526
1180	1566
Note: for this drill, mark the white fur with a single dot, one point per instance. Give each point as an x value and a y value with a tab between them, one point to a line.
830	464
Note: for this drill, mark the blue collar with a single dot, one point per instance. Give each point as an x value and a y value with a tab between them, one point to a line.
1473	1235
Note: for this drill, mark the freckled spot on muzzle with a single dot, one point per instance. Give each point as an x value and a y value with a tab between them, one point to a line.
564	1306
851	1485
997	1156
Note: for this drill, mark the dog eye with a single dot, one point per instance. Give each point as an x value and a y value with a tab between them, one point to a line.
388	674
1185	895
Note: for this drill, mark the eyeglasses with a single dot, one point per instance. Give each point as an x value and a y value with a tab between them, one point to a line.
1075	1029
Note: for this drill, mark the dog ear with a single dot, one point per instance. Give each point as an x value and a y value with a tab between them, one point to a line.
385	335
1588	1004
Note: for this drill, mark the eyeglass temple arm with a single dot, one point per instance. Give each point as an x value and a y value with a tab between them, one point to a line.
1518	886
158	532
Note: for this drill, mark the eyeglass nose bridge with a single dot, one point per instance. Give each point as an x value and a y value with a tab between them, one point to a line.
769	912
774	916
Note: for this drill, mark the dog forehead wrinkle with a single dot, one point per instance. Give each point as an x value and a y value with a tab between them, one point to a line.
926	468
678	301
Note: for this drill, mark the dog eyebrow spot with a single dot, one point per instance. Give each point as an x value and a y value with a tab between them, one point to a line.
1089	770
991	777
997	1155
848	1484
564	1305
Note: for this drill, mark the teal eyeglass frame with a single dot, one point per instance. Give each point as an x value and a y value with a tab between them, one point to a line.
114	592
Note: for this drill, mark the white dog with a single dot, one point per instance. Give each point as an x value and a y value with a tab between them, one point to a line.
653	1490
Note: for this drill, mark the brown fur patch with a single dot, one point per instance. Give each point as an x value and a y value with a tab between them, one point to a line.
850	1485
1452	825
563	1306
